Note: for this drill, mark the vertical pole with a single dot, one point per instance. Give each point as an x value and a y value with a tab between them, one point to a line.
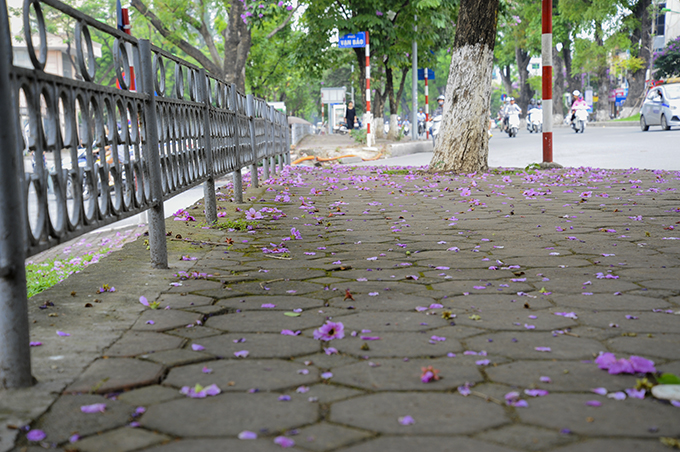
127	28
427	105
236	174
157	243
209	185
352	83
369	138
414	86
287	140
15	354
546	53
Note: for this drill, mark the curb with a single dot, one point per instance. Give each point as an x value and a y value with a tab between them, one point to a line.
401	149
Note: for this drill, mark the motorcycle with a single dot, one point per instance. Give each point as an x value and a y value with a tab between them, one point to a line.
580	119
421	128
535	120
341	129
434	130
513	124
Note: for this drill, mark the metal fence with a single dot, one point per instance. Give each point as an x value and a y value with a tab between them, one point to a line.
101	154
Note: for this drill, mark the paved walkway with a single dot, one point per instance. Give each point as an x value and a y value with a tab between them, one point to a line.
504	287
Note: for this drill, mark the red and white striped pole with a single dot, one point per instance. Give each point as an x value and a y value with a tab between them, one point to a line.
427	106
546	54
368	93
128	47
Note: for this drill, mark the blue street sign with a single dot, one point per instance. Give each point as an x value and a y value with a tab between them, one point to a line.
421	74
353	40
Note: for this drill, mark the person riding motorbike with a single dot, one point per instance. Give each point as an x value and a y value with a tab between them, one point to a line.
440	107
421	121
510	110
579	103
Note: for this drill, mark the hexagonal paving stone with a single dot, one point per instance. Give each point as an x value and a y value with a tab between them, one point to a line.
565	376
282	302
115	374
610	302
443	414
179	301
619	445
663	345
149	395
217	416
397	374
392	321
631	417
276	287
515	320
120	440
260	345
414	443
172	358
65	417
324	436
164	320
392	301
232	375
391	345
646	322
562	346
220	445
134	343
526	438
266	322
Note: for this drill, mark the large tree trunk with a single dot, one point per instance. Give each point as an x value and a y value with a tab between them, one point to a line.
642	36
389	88
463	142
603	107
525	92
558	85
573	82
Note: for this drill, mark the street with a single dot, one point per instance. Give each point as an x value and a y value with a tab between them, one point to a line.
600	147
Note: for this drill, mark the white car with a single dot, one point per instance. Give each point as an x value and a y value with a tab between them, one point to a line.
661	107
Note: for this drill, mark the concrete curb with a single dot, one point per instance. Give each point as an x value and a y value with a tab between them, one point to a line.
415	147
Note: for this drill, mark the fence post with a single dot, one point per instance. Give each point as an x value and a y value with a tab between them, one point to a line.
278	117
251	115
15	354
209	186
253	168
157	242
236	174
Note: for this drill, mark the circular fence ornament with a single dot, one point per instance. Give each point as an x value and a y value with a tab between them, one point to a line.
87	68
122	62
40	60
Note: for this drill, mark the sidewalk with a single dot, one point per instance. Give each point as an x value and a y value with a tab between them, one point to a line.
507	285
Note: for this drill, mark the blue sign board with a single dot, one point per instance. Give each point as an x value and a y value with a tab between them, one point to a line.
353	40
421	74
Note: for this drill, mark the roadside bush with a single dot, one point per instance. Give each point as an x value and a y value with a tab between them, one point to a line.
667	62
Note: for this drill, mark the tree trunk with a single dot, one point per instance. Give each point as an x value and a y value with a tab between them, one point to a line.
642	36
237	42
463	142
573	83
558	85
361	62
525	92
389	89
603	107
506	77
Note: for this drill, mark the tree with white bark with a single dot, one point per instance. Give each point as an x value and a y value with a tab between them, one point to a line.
463	142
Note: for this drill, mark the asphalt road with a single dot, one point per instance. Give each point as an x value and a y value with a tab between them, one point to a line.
598	147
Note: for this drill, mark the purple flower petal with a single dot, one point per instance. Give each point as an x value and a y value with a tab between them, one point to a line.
35	344
35	435
600	391
406	420
329	331
290	332
594	403
94	408
642	365
536	392
331	351
617	395
464	390
605	360
545	380
144	301
197	348
284	442
242	354
543	349
247	435
284	398
482	362
621	366
636	393
268	305
61	333
369	338
150	322
327	375
206	370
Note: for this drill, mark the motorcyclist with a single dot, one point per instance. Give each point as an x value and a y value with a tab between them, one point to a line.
579	103
440	107
421	121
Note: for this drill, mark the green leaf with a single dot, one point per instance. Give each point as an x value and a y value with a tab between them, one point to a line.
668	379
292	314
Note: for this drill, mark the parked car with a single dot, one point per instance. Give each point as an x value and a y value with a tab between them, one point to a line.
661	107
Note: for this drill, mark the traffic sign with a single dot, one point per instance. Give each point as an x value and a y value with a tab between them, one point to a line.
421	74
352	40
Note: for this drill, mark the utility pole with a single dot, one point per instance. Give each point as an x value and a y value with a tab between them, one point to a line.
414	86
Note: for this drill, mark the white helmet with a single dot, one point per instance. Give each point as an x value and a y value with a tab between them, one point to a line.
441	98
576	93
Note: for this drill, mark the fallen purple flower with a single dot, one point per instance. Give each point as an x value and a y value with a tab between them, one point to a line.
536	392
636	393
642	365
543	349
284	398
268	305
600	391
144	301
284	442
206	370
35	344
94	408
406	420
197	348
327	375
545	380
369	338
242	354
482	362
199	392
61	333
329	331
617	395
35	435
331	351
